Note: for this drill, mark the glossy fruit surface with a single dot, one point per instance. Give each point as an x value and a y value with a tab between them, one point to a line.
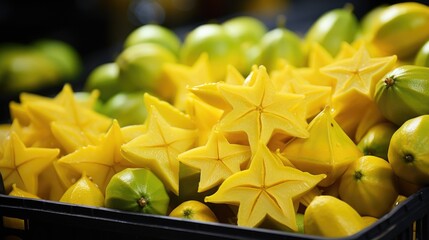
137	190
368	186
408	152
329	216
140	66
214	40
154	33
281	44
332	29
376	140
194	210
400	94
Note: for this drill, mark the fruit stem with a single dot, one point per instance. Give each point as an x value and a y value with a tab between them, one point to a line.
389	81
187	213
142	202
409	158
358	175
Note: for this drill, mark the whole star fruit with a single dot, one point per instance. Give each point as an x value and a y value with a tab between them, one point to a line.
84	192
422	56
281	44
154	33
105	78
137	190
194	210
248	32
400	93
328	150
328	216
332	28
377	139
213	39
396	21
266	190
141	66
408	154
368	185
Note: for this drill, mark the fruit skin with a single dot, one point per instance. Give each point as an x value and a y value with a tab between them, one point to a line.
154	33
105	78
401	92
400	29
281	44
140	66
63	55
408	152
213	39
84	192
194	210
376	140
333	28
329	216
248	32
126	107
368	185
137	190
422	56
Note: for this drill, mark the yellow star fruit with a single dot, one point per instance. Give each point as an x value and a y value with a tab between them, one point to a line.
267	190
216	161
22	165
260	111
327	150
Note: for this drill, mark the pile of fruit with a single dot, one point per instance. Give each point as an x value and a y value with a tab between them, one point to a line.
321	134
37	66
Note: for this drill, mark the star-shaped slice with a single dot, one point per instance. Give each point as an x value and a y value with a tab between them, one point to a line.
260	110
22	165
184	77
360	71
217	160
159	146
100	161
204	116
268	189
288	80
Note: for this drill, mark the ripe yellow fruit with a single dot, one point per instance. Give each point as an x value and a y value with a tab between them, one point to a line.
84	192
401	29
194	210
368	185
329	216
408	152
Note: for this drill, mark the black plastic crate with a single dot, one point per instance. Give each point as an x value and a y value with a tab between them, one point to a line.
54	220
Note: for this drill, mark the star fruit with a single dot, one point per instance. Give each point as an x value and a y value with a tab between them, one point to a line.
360	71
74	123
260	110
169	132
100	161
266	190
22	165
328	150
184	77
217	160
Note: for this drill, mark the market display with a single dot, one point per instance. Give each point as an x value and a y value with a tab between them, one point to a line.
320	134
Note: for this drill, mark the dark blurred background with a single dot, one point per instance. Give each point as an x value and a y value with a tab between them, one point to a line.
97	28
